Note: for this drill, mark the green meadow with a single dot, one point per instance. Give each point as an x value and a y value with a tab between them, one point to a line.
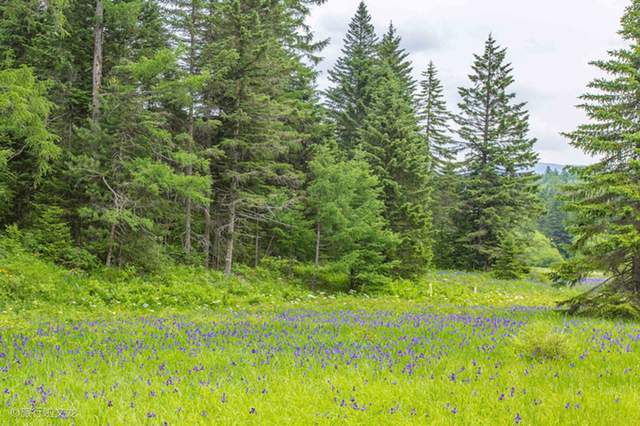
452	348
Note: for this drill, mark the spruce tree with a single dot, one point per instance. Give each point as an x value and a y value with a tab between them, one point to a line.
352	79
393	147
28	148
391	52
30	34
510	262
436	132
435	120
499	191
130	166
346	205
256	45
187	20
606	201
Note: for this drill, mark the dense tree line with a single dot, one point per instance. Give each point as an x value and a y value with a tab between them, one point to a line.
144	132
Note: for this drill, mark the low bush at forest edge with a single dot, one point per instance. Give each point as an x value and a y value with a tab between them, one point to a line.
28	281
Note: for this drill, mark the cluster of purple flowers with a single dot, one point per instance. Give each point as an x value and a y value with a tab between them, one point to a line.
171	354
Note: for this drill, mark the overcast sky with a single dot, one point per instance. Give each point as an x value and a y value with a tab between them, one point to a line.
550	43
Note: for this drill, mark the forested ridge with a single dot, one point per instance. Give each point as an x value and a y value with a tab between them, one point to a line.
145	133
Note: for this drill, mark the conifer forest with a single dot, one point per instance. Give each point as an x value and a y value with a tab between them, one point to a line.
206	220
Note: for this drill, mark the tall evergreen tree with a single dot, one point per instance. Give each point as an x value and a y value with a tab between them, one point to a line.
499	192
435	120
436	132
129	167
391	52
30	34
353	79
606	201
346	205
187	20
27	146
260	44
392	145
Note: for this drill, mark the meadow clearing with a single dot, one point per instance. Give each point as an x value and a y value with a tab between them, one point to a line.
452	349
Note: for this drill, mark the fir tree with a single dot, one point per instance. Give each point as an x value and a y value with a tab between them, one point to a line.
435	120
129	167
257	47
346	205
509	261
30	34
436	132
187	19
391	52
393	147
353	79
27	146
499	192
606	201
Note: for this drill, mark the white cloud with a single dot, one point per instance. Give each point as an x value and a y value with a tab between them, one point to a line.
550	44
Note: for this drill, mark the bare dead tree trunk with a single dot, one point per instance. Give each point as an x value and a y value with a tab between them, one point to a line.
98	36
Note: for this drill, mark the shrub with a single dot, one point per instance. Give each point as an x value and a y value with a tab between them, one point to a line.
540	341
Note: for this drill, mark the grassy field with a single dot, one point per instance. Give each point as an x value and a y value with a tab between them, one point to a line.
378	363
186	348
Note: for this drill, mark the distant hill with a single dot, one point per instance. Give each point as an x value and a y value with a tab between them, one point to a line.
541	168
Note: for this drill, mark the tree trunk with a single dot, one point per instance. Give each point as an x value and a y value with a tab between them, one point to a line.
207	237
120	257
636	275
187	226
231	232
317	256
98	35
112	238
257	258
192	72
267	252
233	193
217	244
